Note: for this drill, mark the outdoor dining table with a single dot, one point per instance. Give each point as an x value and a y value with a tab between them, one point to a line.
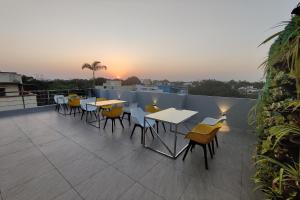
174	117
100	104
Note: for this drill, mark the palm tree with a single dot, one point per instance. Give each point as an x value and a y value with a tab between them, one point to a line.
94	67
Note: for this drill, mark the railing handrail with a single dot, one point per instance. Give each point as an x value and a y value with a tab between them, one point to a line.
19	98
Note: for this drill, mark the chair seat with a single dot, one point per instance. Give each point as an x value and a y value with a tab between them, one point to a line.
200	138
113	113
106	107
203	129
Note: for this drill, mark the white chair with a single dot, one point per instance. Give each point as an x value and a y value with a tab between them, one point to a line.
138	116
88	109
127	112
213	121
61	102
56	97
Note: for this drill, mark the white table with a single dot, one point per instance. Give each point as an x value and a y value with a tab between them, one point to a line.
100	104
174	117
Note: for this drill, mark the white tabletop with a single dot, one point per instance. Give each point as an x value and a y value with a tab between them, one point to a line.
106	102
172	115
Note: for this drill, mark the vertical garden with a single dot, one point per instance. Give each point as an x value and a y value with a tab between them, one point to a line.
277	116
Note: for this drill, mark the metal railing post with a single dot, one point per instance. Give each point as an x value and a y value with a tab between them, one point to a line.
22	95
48	98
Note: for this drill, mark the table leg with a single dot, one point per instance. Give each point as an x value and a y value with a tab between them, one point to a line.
143	138
175	141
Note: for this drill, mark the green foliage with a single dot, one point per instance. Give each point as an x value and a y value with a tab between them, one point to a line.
33	84
219	88
277	116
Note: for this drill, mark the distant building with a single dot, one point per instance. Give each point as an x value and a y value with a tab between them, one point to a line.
174	89
249	90
112	84
145	88
115	85
11	95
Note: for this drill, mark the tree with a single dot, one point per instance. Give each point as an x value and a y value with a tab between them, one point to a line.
133	80
95	66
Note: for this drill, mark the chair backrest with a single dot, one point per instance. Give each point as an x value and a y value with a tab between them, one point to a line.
91	99
101	99
74	102
83	103
56	97
138	115
151	108
62	100
213	121
113	112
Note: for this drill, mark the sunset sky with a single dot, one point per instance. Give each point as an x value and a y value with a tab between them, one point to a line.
157	39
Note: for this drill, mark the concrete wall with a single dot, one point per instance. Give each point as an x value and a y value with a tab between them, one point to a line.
236	109
10	90
14	103
163	100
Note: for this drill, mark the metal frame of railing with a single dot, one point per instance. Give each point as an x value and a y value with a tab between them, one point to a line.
22	98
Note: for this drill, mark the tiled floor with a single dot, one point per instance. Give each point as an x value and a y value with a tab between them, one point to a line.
46	155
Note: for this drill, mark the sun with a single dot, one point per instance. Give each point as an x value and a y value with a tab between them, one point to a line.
118	77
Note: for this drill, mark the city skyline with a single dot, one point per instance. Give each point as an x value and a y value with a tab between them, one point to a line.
174	40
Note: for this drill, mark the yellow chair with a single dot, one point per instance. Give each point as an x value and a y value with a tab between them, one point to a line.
104	107
202	135
74	104
113	114
153	109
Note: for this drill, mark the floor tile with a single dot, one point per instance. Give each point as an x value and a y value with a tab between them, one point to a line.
45	187
69	195
136	165
168	183
21	167
138	192
81	169
107	184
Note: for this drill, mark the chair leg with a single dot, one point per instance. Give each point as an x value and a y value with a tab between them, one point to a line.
192	147
86	116
95	114
156	126
74	111
105	123
205	155
216	140
71	110
213	147
133	131
187	150
82	114
121	122
112	125
210	151
129	118
123	115
163	124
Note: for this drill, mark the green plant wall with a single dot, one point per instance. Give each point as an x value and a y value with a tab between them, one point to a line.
277	117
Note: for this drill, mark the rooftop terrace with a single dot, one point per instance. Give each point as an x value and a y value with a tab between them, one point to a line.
49	156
